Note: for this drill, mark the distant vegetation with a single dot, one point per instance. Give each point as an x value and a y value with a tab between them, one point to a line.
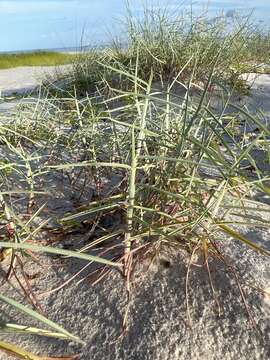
165	44
39	58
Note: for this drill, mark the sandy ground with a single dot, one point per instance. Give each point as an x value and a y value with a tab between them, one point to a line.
158	327
23	79
158	317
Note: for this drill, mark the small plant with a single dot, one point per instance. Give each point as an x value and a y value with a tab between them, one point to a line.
181	171
147	163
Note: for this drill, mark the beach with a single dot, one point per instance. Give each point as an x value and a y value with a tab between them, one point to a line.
159	327
21	80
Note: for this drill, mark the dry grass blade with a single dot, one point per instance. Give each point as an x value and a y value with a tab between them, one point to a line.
20	353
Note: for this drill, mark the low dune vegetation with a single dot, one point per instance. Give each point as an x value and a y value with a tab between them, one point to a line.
148	148
38	58
166	43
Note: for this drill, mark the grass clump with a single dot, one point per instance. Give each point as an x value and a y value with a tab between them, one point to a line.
152	153
39	58
165	43
179	168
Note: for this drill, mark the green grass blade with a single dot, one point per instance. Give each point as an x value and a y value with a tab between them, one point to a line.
227	230
35	315
51	250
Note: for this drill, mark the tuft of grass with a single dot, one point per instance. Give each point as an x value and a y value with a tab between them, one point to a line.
181	168
149	160
165	43
39	58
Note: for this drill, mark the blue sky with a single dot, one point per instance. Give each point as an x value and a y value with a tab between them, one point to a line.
39	24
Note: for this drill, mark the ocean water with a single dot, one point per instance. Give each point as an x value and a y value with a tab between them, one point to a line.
51	24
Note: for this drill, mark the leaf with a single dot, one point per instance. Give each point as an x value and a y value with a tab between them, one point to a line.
35	315
243	239
90	211
90	164
52	250
20	353
29	330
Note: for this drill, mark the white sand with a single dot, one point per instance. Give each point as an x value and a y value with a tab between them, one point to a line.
23	79
157	328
